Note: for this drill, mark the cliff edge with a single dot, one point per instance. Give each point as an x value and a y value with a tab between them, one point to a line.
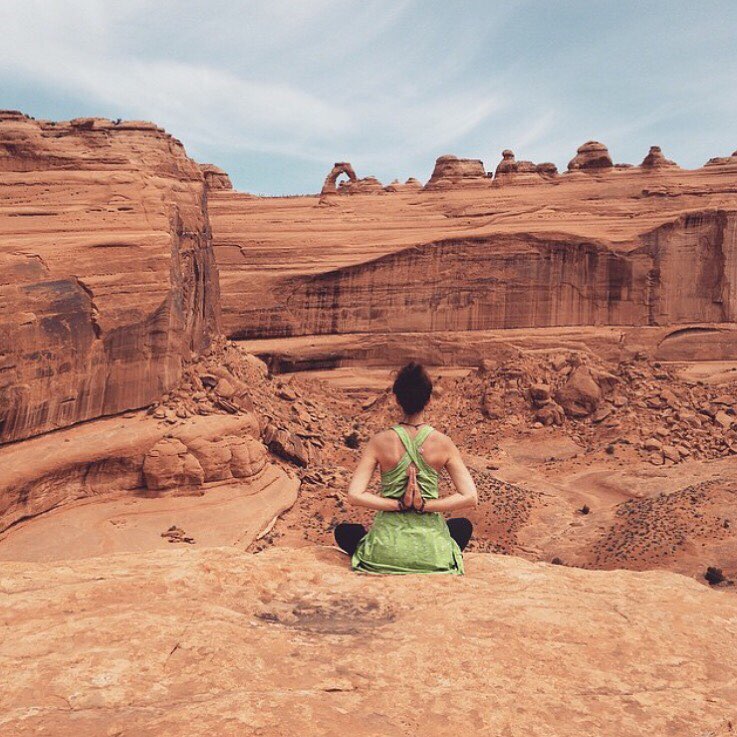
286	642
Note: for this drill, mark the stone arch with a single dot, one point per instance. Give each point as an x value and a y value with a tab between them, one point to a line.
340	167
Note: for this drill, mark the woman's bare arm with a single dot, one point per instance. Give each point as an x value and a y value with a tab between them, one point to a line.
357	489
465	495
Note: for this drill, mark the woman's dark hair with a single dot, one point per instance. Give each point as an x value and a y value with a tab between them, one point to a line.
412	388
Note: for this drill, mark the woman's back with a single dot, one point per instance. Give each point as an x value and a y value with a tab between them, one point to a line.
409	534
435	446
408	542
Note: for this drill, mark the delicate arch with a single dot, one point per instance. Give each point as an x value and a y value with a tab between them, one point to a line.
340	167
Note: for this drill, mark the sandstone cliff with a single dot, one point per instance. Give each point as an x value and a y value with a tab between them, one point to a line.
107	276
290	642
637	248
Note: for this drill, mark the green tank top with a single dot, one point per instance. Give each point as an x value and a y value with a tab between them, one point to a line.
409	542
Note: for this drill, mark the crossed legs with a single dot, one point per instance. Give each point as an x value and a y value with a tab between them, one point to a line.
349	534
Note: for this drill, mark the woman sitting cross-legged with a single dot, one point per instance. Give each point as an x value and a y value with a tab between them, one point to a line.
409	534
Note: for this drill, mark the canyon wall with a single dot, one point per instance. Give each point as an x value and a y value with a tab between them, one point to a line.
680	274
597	246
108	281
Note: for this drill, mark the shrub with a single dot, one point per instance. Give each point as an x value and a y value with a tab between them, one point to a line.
714	576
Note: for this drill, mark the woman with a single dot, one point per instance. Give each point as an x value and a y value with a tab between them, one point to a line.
409	534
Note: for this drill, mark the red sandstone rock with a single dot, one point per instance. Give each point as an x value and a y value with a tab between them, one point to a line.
365	185
511	171
589	251
656	160
340	167
248	456
581	394
128	639
411	185
107	277
592	155
215	177
169	464
451	172
352	185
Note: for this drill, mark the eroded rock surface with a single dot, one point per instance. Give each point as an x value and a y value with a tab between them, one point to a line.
215	177
203	642
655	159
638	249
591	155
511	171
107	277
450	172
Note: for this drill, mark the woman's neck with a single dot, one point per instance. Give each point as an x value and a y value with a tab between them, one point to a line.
413	420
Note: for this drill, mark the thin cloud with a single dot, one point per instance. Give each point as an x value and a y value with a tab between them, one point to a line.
386	84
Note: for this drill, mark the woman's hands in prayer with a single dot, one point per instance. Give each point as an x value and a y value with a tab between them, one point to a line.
412	498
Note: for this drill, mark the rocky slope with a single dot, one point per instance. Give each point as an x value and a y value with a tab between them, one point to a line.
107	277
291	642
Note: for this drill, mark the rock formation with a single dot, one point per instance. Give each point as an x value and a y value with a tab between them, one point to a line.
592	155
215	177
561	322
670	275
352	185
365	185
656	160
411	185
340	167
723	160
277	643
509	170
211	429
616	250
450	172
173	464
107	271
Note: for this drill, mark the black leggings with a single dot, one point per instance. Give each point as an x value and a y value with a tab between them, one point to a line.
348	534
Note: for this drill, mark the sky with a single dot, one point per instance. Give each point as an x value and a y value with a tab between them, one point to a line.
275	91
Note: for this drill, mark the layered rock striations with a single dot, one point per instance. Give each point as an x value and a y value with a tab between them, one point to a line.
655	159
215	177
108	281
644	247
450	172
511	171
674	274
591	155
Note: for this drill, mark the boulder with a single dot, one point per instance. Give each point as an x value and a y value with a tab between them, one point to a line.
580	395
492	407
551	413
214	457
169	464
540	394
285	444
248	456
723	419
